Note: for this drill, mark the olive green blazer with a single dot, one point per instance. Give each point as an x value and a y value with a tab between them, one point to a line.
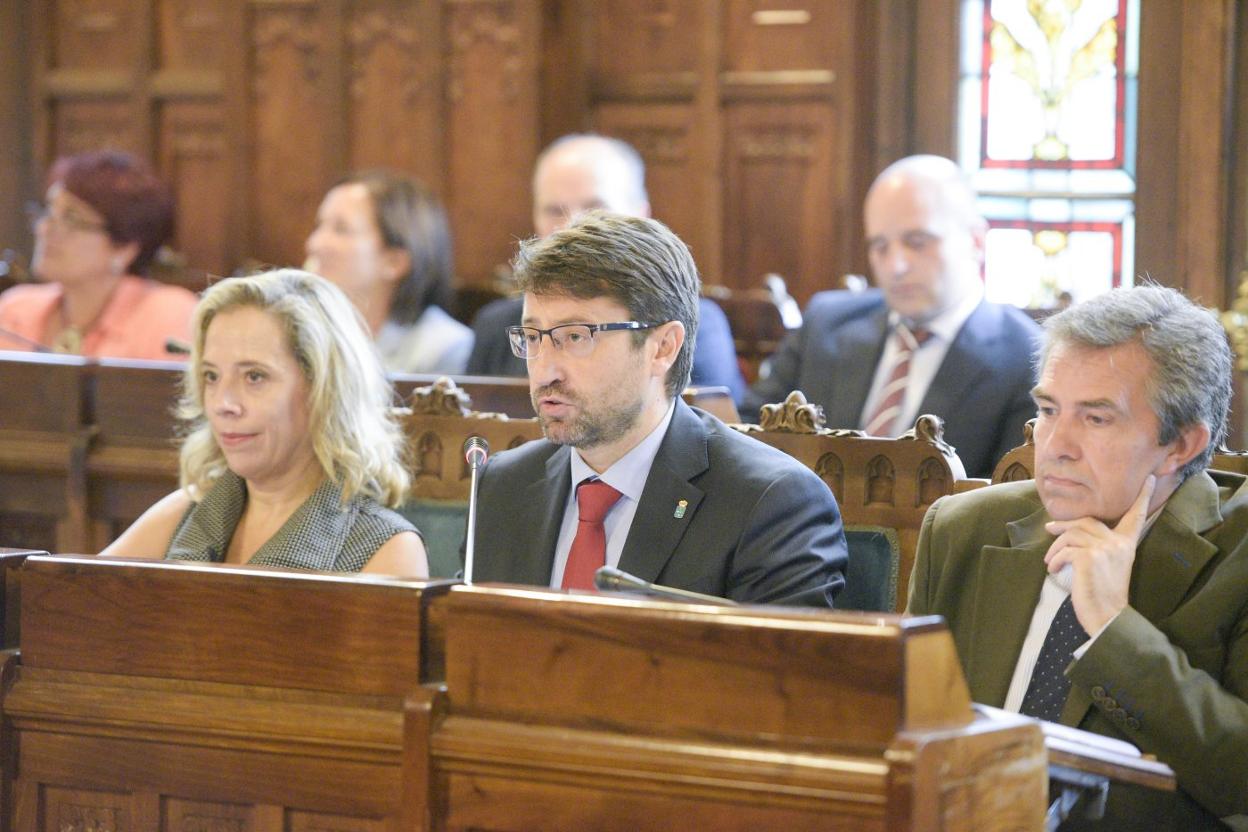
1169	674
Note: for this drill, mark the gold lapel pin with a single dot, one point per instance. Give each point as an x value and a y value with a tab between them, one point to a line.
680	509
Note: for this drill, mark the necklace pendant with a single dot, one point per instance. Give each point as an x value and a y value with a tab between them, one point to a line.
68	340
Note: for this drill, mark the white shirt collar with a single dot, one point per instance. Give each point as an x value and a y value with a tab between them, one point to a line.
627	474
946	325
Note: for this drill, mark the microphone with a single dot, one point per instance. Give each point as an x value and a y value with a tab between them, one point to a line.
23	340
476	452
610	579
176	346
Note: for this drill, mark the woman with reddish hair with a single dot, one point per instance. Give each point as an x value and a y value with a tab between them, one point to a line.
105	216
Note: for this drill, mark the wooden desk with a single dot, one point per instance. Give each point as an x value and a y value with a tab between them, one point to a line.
169	696
588	712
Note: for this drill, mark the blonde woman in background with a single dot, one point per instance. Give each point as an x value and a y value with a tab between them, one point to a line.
292	453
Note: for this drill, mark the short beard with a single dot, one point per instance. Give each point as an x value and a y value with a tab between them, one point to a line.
588	430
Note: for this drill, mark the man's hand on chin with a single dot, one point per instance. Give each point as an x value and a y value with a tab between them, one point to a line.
1101	558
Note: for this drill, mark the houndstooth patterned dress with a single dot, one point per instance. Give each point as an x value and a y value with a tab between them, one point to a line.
322	534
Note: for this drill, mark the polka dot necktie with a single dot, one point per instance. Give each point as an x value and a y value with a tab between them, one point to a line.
883	420
1046	694
594	499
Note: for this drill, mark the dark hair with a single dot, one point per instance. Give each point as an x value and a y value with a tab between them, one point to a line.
411	218
637	262
136	206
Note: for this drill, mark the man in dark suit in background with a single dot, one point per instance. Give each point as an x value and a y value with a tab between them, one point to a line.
923	341
628	474
579	173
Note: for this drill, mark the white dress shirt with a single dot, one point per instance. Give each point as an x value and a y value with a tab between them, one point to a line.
628	476
1052	595
926	360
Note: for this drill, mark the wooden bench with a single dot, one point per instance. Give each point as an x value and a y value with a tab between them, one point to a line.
133	459
171	696
44	435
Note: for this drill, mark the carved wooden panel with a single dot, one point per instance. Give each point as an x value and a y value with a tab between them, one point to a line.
315	822
491	128
647	37
69	810
78	126
663	134
189	816
194	160
386	84
762	35
287	106
780	214
96	34
189	35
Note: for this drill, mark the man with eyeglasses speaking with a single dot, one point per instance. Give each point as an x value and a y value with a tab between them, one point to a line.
630	476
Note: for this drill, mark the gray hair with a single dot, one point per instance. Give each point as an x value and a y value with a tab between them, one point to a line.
1191	378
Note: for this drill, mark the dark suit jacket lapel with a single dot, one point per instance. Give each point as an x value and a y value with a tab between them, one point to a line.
1007	588
966	364
656	531
545	498
859	342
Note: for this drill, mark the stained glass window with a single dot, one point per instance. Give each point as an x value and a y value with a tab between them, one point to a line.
1047	132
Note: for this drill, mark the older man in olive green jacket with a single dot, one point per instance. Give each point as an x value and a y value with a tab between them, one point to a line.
1114	587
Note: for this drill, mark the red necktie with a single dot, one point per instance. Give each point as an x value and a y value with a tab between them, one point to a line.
883	421
594	499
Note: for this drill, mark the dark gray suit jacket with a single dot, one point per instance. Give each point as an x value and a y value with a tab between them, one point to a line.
982	389
714	355
758	527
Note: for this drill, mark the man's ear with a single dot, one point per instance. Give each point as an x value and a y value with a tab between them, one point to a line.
668	339
395	263
1189	444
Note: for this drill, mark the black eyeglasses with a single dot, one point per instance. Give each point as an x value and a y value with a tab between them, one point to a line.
576	340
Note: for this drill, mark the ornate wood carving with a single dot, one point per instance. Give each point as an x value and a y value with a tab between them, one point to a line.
930	429
277	29
782	143
90	125
428	455
377	28
832	471
489	22
440	398
659	145
881	481
1017	471
210	823
793	415
933	483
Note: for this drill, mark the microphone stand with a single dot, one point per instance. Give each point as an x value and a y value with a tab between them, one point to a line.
476	452
610	579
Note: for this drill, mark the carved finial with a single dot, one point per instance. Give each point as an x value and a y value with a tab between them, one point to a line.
1029	432
441	397
794	415
1235	322
930	429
